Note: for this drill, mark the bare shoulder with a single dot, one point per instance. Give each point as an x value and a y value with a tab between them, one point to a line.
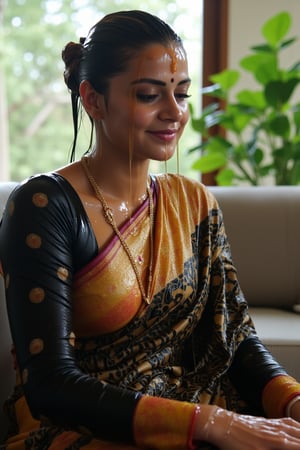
74	174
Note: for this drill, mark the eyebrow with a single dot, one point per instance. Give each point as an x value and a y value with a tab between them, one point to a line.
158	82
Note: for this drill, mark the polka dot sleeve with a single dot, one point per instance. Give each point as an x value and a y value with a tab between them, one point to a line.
45	237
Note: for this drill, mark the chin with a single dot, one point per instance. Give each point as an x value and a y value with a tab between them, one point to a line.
166	154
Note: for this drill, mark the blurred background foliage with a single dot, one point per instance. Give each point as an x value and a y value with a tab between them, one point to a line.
37	103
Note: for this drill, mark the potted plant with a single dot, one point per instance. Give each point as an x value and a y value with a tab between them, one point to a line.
261	127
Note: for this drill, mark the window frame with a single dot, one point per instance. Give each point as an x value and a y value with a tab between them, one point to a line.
215	54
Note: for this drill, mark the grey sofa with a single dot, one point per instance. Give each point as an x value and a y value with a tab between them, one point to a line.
263	225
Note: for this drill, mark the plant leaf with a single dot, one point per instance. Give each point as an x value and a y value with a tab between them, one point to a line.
263	66
277	93
280	126
296	174
258	156
194	149
276	28
252	62
287	43
226	79
210	162
262	48
254	99
225	177
236	121
199	125
218	144
267	72
296	115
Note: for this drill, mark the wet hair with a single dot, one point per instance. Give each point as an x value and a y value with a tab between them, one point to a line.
110	45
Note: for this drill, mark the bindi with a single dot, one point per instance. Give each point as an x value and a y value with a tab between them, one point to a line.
172	80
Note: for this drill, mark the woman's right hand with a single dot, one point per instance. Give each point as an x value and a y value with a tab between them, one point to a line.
231	431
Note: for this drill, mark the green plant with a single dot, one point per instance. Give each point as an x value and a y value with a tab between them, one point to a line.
260	134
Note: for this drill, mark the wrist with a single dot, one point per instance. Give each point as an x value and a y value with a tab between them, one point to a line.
210	422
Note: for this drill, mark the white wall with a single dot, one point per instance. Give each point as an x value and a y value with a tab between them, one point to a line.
245	21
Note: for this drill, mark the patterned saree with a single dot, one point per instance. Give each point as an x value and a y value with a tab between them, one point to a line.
197	314
181	345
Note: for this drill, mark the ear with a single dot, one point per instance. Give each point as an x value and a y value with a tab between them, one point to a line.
92	101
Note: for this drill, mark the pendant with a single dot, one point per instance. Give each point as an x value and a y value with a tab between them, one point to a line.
140	259
134	231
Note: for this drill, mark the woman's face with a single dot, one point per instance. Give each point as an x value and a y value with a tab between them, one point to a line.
146	107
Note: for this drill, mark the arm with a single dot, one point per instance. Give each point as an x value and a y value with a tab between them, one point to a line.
41	240
252	369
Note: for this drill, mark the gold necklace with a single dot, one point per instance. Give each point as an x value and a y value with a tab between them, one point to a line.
109	217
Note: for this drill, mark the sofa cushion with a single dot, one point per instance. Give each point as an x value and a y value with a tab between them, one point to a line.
263	226
280	331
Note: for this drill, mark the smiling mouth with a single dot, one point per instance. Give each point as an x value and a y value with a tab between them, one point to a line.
165	135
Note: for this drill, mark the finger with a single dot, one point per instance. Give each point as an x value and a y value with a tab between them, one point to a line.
252	433
291	427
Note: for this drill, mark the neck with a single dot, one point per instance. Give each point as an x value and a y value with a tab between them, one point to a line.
123	191
125	184
110	219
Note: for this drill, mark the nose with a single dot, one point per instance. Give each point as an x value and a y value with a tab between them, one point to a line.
171	110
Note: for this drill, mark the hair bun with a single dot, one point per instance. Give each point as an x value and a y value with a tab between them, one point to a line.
71	55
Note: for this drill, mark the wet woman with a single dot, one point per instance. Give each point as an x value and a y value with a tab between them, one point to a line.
130	329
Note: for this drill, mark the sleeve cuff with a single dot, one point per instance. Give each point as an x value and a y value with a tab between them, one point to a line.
161	423
278	393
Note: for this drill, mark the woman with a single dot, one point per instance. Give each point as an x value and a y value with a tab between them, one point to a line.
129	326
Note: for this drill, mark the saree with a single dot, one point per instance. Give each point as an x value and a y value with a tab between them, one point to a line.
179	347
164	348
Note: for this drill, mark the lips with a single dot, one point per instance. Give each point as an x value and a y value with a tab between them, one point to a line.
164	135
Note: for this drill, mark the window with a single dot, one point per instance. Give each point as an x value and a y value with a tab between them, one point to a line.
33	97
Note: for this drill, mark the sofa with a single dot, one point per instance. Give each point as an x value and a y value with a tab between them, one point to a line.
263	226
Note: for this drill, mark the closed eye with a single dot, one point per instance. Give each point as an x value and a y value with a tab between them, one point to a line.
182	96
146	98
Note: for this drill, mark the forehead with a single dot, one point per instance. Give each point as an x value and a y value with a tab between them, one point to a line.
157	58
